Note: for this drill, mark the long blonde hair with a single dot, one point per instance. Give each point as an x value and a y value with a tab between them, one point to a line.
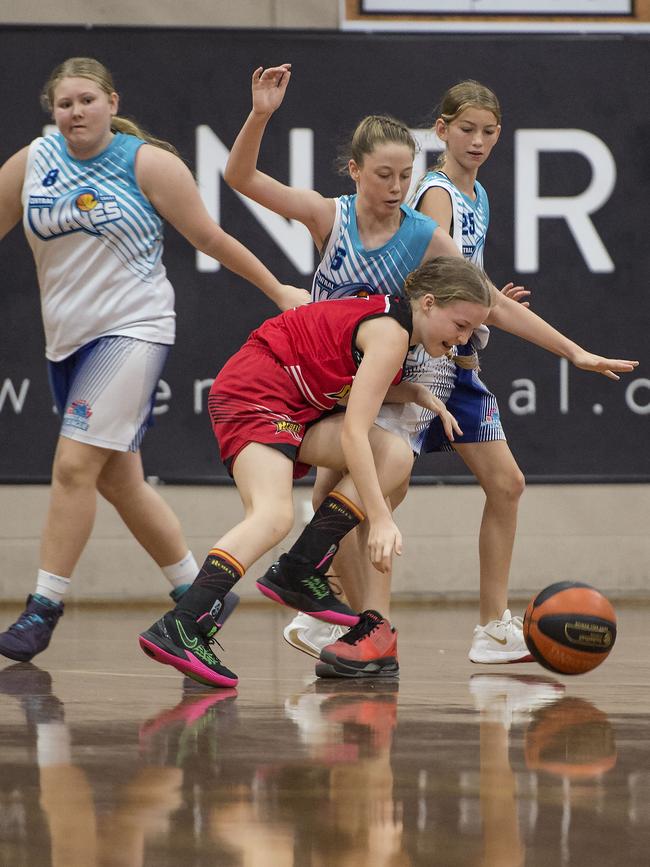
88	67
449	279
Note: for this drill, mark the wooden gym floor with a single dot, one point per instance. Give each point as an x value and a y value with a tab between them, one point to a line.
107	758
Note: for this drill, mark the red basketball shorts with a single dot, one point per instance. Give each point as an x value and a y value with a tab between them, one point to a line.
254	400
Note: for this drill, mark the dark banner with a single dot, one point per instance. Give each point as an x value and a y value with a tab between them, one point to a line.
568	190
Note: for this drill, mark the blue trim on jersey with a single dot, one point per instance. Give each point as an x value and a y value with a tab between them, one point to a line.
348	268
135	232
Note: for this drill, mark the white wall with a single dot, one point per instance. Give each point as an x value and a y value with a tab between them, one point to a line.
170	13
593	533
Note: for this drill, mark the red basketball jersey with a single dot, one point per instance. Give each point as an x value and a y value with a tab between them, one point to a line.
316	343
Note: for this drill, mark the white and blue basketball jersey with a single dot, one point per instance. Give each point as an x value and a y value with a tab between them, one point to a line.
347	268
470	218
97	244
469	224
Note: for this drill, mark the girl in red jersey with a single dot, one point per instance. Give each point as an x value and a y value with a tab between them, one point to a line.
263	404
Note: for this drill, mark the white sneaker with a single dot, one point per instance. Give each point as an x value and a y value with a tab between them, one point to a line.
310	635
500	641
507	699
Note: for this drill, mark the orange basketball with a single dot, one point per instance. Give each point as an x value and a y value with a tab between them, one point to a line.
570	627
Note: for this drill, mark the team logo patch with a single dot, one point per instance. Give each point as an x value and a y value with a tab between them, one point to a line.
78	414
291	427
81	210
492	416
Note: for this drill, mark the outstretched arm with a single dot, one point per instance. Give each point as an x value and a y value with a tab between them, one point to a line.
307	206
168	184
12	176
516	319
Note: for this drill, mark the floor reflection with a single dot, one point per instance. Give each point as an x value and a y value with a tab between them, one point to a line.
510	770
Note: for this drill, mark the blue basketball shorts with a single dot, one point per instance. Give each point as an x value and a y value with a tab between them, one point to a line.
476	411
105	391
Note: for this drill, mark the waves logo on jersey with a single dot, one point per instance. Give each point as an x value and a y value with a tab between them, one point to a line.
329	291
81	210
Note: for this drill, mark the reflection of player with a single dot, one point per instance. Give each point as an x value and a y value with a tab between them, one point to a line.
92	198
78	837
348	770
503	700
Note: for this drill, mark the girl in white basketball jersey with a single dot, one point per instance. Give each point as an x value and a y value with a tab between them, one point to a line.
92	198
469	123
367	242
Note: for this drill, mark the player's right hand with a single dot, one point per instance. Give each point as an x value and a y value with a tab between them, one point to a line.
384	540
269	86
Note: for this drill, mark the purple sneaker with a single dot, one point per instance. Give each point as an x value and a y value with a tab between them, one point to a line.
32	632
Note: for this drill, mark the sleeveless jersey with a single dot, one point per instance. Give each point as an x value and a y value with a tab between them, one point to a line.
469	225
97	243
347	268
470	219
316	343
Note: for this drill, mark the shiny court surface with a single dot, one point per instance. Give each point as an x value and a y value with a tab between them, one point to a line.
107	758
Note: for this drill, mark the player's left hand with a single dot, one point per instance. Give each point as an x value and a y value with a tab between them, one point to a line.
429	401
609	367
516	293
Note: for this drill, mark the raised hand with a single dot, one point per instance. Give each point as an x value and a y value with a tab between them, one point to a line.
269	86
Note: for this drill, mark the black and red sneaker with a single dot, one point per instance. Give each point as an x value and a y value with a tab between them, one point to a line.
368	650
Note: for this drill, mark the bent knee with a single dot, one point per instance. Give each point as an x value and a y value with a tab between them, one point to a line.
72	472
391	450
277	522
507	486
399	494
115	491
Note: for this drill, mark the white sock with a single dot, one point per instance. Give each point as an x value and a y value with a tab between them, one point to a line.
183	572
51	586
53	744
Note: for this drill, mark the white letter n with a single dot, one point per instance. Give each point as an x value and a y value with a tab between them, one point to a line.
291	236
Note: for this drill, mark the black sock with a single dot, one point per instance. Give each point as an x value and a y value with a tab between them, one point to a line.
219	573
319	541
